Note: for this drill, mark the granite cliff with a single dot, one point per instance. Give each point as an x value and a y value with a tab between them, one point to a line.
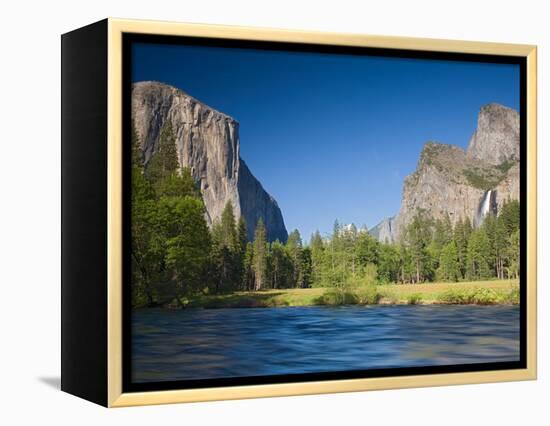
496	138
451	181
207	142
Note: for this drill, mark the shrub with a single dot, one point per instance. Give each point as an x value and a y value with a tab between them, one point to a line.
337	297
512	296
484	296
479	179
489	177
414	299
463	296
505	166
389	296
455	296
366	277
370	274
368	295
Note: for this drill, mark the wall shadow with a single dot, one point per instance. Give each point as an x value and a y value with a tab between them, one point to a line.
53	382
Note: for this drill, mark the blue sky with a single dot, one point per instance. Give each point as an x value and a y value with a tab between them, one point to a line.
333	136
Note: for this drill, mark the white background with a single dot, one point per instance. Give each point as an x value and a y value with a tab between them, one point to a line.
30	211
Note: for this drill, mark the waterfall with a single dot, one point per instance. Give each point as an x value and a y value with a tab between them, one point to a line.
487	205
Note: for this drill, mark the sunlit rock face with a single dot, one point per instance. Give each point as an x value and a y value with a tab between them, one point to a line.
383	232
451	181
207	142
496	138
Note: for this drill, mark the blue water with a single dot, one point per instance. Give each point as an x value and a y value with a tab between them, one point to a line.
219	343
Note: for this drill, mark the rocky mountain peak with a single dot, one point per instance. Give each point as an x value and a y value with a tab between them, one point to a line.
496	138
451	182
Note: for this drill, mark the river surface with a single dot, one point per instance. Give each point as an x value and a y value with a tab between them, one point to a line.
220	343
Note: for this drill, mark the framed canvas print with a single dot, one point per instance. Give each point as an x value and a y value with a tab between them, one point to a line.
250	212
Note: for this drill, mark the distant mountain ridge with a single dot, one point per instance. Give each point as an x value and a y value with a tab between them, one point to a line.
207	142
451	181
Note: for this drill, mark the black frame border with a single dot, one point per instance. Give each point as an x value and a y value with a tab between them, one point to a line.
129	38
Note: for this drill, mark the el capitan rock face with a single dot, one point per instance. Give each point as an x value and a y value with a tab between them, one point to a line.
207	142
256	203
451	181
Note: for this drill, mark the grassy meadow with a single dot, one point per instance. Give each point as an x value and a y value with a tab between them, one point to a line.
472	292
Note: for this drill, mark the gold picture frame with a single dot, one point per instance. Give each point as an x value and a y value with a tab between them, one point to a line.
116	28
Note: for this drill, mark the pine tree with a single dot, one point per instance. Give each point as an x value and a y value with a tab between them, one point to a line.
448	263
442	235
468	228
443	232
187	242
307	267
281	271
498	240
512	255
335	270
229	228
164	161
242	241
317	259
147	257
461	246
177	185
510	216
260	256
248	283
417	237
145	261
242	236
294	250
336	234
226	253
367	249
479	251
509	238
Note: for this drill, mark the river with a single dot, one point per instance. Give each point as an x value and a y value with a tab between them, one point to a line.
188	344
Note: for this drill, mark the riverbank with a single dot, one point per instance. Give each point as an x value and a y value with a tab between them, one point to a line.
493	292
